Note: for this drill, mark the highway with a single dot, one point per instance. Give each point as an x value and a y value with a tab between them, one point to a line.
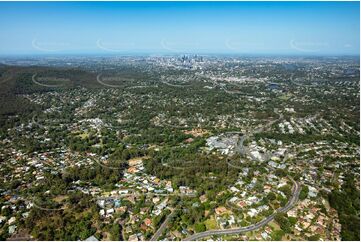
295	194
105	84
176	85
33	78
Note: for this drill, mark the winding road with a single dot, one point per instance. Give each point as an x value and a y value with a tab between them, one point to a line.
241	149
295	194
100	81
33	78
292	80
176	85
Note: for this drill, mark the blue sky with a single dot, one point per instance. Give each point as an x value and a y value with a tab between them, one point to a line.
304	28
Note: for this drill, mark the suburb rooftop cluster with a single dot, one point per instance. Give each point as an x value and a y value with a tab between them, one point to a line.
179	147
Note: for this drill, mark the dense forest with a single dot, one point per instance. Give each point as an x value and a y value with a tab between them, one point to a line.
347	203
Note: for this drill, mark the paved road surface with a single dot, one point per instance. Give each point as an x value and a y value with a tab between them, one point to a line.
295	193
161	229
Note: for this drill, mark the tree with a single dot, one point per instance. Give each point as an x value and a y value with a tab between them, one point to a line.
347	203
314	237
115	232
200	227
280	173
282	220
286	189
277	235
271	196
304	192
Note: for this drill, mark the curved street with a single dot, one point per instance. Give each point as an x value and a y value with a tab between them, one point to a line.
295	194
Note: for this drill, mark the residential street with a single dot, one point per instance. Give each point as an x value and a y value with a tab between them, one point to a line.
296	192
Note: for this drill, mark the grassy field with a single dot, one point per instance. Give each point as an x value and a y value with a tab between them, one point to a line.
211	223
83	135
285	97
60	198
274	225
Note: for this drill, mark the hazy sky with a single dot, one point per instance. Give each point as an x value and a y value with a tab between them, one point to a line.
311	28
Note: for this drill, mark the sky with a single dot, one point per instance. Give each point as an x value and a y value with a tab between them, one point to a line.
285	28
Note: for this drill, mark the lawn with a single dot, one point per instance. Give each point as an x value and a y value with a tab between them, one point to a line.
274	225
84	135
211	223
60	198
285	97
